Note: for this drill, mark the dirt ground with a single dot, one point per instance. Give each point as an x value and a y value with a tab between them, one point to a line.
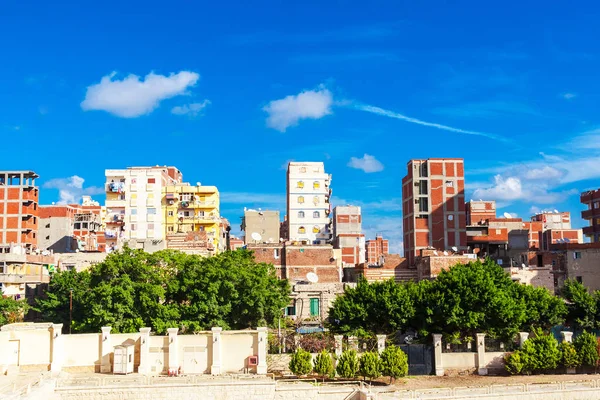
427	382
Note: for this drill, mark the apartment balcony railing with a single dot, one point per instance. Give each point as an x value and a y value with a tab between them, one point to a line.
592	213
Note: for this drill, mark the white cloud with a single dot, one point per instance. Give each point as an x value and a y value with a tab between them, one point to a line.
193	109
569	96
70	190
309	104
512	188
367	163
132	96
503	189
545	172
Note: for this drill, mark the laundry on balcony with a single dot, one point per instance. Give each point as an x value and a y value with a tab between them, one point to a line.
116	187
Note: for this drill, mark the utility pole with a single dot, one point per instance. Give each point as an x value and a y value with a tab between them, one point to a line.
70	309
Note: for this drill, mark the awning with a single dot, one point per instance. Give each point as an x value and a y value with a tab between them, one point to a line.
170	196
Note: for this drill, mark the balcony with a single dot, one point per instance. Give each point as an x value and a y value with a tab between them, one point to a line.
589	214
17	278
115	203
115	187
589	230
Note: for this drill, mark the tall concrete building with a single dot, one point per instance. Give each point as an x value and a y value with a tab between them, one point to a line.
433	206
347	234
591	199
18	210
308	202
134	206
264	223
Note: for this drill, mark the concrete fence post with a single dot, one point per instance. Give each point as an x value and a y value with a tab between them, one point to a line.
173	351
481	369
381	343
567	336
57	348
106	350
261	368
523	336
217	350
437	351
144	367
339	343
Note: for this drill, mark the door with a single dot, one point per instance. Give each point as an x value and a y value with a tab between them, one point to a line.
420	358
13	350
120	361
194	360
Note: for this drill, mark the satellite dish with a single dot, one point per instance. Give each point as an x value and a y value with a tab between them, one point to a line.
312	277
454	249
523	266
507	215
556	211
445	253
435	252
256	236
566	240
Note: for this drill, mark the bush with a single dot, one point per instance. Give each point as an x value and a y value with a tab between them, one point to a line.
569	356
586	346
323	365
300	363
348	365
370	365
541	352
515	363
394	362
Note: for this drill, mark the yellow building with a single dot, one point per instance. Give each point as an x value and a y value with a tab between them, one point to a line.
191	209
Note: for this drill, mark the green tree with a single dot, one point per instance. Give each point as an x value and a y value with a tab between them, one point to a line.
394	362
542	308
348	365
569	356
300	362
587	347
541	352
323	365
370	365
583	305
12	310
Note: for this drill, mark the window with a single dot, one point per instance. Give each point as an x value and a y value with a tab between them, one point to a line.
303	169
201	214
151	180
290	310
498	231
423	169
579	279
34	206
316	200
170	229
316	214
597	204
150	197
133	227
170	213
151	211
34	235
423	187
540	261
133	196
450	184
186	214
316	185
300	214
314	307
301	230
47	225
276	253
300	199
316	229
150	227
423	206
300	185
577	255
34	220
134	211
133	181
77	225
84	225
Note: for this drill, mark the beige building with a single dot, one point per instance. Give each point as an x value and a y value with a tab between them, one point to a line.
264	224
582	263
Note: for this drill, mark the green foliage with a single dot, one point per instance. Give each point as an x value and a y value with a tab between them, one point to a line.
516	363
541	352
370	365
587	348
12	310
569	356
323	364
347	365
583	307
394	362
132	289
300	362
542	308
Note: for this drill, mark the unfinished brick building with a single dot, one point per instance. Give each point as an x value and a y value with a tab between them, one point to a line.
18	210
376	249
591	199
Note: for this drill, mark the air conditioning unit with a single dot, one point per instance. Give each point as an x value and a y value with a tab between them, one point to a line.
252	361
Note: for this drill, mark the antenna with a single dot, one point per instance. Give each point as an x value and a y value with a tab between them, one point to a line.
312	277
256	236
454	249
507	215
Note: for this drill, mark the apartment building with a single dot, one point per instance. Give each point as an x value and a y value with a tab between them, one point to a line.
591	199
478	212
347	234
18	210
308	202
262	224
192	222
134	206
376	250
433	206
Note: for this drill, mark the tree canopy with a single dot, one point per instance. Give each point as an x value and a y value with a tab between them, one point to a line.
133	289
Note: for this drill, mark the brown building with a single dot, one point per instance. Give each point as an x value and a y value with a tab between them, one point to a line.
393	266
18	210
592	200
262	224
347	234
480	211
433	205
376	249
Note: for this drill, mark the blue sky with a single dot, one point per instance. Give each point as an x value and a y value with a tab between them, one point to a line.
229	92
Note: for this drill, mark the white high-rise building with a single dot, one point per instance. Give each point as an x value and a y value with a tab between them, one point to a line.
308	202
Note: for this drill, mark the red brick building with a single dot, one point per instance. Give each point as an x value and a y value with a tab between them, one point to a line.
591	199
433	205
375	249
18	210
347	234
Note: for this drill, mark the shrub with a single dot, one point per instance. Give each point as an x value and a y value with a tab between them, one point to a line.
569	356
586	346
300	362
394	362
348	365
323	365
515	363
370	365
541	353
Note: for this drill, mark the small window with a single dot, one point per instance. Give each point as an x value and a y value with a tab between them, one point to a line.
150	196
301	230
151	211
170	229
316	229
47	237
34	235
579	279
449	183
47	225
276	253
133	227
303	169
77	225
133	196
150	227
498	231
316	214
34	220
34	206
130	359
577	255
423	206
423	186
170	213
134	211
316	200
300	185
151	180
133	181
84	225
300	214
300	199
316	185
597	204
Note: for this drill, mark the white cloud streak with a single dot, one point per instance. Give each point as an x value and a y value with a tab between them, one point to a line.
132	96
71	190
192	110
309	104
367	163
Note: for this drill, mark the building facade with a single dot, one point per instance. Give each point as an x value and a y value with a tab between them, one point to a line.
591	199
261	223
308	202
18	210
478	212
347	234
376	250
433	205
